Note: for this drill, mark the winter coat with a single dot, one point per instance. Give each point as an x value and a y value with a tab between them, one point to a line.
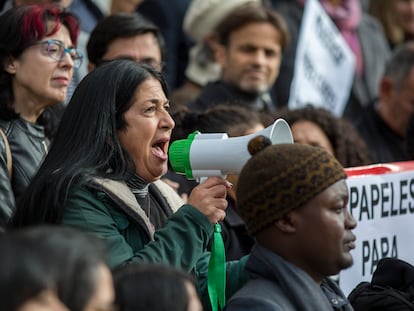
28	147
110	211
277	285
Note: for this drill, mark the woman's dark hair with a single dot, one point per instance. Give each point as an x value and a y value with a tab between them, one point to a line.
231	119
86	144
18	268
349	148
151	287
46	257
21	27
224	118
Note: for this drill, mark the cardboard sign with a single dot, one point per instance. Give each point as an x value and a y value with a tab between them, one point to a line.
324	64
381	199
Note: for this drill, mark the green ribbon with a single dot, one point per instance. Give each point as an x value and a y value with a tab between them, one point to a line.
217	271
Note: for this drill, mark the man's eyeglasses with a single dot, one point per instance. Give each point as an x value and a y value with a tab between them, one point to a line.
56	50
152	62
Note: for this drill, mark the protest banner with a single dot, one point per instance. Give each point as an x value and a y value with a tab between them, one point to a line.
324	63
381	199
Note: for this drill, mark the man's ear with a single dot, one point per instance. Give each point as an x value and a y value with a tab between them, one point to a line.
10	65
211	41
219	53
91	66
386	88
286	223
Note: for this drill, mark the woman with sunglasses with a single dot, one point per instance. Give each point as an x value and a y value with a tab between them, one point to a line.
37	54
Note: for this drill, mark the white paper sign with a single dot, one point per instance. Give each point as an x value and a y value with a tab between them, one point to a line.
383	206
324	64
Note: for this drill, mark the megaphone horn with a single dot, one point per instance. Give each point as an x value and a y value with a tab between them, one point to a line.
215	154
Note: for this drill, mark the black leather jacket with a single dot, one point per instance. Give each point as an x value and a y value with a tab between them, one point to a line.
28	146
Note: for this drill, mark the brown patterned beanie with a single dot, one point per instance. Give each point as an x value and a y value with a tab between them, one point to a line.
281	178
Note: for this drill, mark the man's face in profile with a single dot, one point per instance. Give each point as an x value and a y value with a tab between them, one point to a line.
323	232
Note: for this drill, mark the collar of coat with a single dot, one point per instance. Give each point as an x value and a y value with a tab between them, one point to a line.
120	193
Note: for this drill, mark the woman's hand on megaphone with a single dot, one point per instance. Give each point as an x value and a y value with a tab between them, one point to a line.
209	197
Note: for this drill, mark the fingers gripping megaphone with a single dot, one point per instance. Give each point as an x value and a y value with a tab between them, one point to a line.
215	154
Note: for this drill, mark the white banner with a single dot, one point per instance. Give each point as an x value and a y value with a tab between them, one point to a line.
383	206
324	64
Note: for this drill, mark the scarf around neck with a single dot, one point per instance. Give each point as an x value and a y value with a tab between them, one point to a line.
303	291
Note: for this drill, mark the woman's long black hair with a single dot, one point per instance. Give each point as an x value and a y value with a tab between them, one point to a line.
86	144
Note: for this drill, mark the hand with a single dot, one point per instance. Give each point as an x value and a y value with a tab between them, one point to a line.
209	198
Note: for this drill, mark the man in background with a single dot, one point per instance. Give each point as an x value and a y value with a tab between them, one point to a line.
383	124
248	46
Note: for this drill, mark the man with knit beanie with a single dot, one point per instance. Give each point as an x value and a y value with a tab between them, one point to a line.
293	199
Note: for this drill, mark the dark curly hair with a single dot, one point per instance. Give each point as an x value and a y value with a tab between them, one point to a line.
227	118
349	148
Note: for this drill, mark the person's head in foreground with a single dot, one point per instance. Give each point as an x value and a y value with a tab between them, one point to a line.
154	287
49	268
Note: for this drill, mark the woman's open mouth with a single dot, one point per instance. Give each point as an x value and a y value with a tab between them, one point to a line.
160	149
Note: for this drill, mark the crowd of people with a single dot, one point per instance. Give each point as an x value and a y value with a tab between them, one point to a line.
93	93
